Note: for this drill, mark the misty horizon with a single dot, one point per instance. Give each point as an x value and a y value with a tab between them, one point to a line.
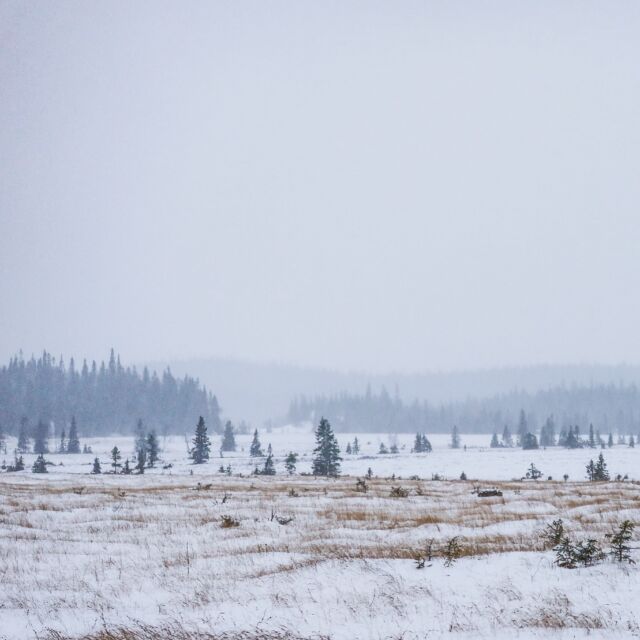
350	186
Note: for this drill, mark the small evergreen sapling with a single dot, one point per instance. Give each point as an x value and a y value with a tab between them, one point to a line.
620	549
97	469
452	552
553	533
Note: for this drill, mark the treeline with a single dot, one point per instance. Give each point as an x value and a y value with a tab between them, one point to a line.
103	399
611	408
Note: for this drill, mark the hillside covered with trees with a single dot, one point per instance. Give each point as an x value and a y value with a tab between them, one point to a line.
103	398
608	407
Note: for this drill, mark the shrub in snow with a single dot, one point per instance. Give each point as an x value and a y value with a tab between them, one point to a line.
227	522
399	492
585	553
361	486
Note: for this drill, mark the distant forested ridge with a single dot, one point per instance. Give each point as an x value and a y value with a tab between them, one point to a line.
105	398
608	407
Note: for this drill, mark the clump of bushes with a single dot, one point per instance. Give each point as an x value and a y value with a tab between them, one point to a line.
586	553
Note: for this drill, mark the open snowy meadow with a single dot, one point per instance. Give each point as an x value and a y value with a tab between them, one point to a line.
186	551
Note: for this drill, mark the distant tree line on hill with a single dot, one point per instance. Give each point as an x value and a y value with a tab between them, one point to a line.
610	408
105	398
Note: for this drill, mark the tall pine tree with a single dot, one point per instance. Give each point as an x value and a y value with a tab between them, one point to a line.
228	439
326	460
201	443
73	446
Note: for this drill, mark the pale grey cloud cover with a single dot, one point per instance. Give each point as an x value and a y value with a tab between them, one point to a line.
398	185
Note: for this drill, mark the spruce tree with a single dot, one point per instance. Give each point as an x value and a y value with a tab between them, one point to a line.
141	459
356	446
40	465
620	549
326	461
290	462
140	437
601	473
455	438
73	446
63	442
201	443
126	468
610	441
507	438
523	428
269	468
592	437
383	449
23	437
349	450
494	441
255	451
96	467
228	439
152	449
426	445
417	443
41	439
529	441
116	456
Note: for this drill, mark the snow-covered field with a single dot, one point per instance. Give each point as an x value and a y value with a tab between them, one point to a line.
81	554
478	461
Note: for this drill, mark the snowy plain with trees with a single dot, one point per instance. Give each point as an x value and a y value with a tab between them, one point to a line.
215	548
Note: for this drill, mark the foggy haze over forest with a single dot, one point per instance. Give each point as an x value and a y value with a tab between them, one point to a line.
354	186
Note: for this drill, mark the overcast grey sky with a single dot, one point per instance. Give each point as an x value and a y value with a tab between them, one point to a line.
375	185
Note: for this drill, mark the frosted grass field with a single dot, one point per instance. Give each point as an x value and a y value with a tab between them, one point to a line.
128	557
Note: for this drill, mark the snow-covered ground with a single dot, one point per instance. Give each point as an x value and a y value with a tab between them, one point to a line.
82	553
478	461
